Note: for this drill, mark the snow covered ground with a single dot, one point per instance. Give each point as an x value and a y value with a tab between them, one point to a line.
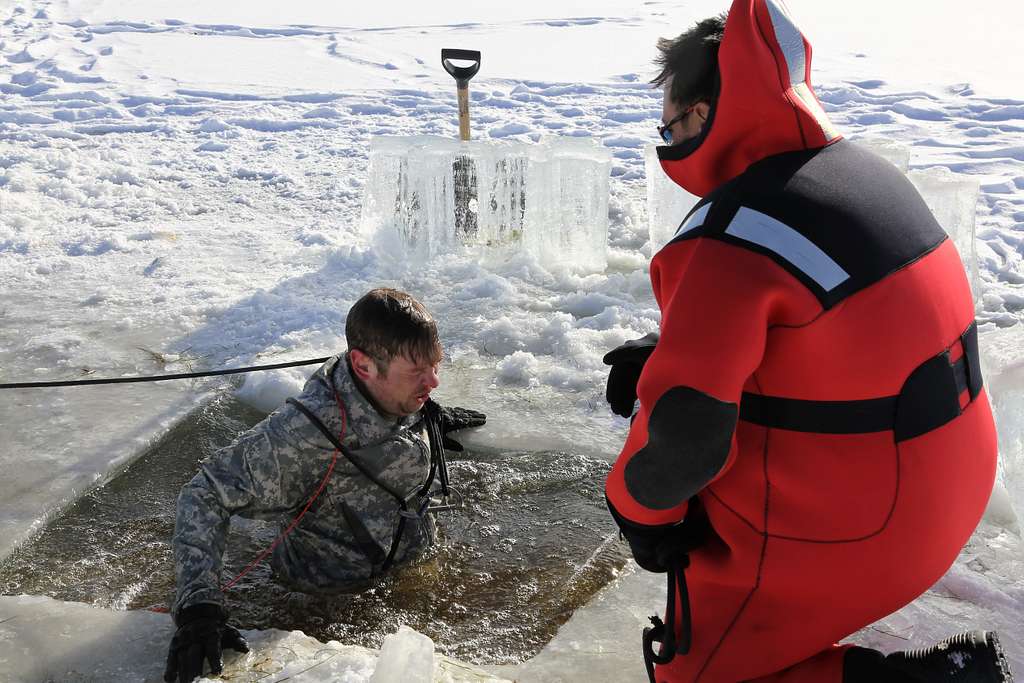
180	188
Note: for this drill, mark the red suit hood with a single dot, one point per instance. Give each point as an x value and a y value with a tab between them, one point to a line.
765	105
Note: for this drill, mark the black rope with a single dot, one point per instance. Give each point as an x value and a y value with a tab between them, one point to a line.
159	378
664	632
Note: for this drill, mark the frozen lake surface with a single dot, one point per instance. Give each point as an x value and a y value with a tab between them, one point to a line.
181	187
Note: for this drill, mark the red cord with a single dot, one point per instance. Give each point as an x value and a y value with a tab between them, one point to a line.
334	459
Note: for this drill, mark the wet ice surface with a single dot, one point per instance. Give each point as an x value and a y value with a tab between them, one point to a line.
977	592
533	544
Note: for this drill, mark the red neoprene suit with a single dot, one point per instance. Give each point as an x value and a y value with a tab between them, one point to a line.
815	534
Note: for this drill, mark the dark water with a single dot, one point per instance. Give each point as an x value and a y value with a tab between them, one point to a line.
533	543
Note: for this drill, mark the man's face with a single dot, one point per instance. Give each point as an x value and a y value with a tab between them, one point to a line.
690	124
404	387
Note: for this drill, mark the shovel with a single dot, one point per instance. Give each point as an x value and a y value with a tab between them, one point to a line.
462	74
463	168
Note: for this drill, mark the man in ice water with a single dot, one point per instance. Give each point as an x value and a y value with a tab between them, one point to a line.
813	445
371	515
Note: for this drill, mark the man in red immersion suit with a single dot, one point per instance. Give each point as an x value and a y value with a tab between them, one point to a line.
813	444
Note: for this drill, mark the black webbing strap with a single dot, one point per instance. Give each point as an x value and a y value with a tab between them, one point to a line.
823	417
364	539
930	398
403	502
673	553
438	461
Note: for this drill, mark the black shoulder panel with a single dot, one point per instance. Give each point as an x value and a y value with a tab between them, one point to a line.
689	434
856	218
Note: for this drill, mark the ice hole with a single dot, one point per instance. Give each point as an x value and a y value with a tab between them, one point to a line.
533	544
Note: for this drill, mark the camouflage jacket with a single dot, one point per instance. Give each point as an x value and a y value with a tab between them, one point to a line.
271	472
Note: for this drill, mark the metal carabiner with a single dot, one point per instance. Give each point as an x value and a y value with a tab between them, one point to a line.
442	504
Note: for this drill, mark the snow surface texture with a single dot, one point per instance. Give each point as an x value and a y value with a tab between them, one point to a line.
181	186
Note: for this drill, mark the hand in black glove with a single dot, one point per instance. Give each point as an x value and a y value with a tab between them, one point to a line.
454	419
656	552
627	362
203	633
657	548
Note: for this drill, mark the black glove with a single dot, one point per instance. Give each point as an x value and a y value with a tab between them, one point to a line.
627	362
657	548
203	632
454	419
656	552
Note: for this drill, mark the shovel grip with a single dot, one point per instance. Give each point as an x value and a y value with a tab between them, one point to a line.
463	113
461	74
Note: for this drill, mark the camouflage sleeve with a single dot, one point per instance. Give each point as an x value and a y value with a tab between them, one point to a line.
267	472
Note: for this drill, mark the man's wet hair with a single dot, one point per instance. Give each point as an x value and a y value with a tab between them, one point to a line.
387	323
691	61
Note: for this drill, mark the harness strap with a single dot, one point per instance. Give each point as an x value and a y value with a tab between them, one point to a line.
394	543
930	398
349	455
364	539
403	501
438	460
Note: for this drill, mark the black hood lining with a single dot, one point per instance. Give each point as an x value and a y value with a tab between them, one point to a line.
688	147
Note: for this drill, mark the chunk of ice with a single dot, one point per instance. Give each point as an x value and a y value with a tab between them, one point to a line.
405	657
953	198
1002	362
600	643
895	153
87	643
438	195
667	202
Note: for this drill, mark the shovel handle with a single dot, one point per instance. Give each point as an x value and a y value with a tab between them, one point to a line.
462	74
463	113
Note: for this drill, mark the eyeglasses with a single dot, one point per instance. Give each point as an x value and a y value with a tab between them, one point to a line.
665	131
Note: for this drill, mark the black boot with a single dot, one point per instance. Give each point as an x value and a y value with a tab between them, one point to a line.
971	657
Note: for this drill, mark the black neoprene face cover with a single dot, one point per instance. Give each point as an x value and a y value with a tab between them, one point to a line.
688	147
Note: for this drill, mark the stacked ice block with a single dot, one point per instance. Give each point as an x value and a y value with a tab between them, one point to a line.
896	154
667	203
953	198
438	195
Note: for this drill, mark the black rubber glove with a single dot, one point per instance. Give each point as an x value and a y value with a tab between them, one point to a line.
203	633
657	548
627	363
454	419
656	552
